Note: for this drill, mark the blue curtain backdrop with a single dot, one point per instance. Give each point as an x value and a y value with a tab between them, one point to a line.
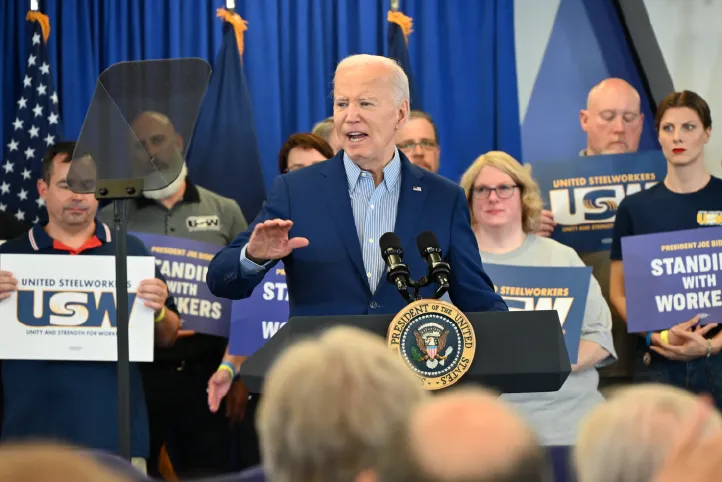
462	55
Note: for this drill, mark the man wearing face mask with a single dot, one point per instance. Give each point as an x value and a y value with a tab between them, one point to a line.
613	122
196	439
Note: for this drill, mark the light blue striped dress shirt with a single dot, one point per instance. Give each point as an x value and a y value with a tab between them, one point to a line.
374	211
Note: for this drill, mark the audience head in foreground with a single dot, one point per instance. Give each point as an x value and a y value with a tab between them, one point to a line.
333	409
52	463
613	118
371	103
470	435
630	437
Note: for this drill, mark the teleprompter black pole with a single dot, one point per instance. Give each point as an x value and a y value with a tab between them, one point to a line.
120	192
120	217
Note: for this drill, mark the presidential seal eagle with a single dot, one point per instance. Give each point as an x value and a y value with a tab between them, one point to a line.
431	344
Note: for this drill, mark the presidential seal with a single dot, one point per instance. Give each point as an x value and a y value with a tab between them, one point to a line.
435	340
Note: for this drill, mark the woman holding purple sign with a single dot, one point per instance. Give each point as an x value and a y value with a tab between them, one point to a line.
686	355
505	209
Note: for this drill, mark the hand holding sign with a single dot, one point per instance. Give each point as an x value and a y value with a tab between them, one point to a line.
269	240
546	224
693	343
8	284
154	292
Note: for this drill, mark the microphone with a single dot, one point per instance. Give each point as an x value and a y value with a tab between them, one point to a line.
397	272
439	270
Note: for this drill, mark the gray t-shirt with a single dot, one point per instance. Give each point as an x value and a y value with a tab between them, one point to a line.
201	215
555	416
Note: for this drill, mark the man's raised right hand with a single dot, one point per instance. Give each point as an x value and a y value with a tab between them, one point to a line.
269	240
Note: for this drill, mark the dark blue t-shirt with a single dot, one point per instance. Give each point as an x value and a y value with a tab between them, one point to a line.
658	210
72	402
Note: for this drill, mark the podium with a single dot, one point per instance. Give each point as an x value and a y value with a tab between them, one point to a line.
516	351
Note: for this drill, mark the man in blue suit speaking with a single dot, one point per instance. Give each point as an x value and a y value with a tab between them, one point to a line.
325	221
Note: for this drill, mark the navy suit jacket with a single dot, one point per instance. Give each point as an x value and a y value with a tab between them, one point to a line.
327	277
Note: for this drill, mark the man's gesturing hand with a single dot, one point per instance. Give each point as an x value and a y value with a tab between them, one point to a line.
269	240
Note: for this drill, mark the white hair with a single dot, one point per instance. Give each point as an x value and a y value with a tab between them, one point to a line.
331	407
627	438
397	76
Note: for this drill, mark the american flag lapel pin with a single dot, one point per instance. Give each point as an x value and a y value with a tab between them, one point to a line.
417	188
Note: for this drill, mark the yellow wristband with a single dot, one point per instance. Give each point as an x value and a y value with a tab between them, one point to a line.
160	316
665	337
225	366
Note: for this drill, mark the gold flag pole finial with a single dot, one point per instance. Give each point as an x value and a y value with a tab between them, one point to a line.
403	21
239	25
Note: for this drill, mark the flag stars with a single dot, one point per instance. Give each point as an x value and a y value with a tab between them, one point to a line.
29	153
27	81
22	103
31	60
9	167
3	207
49	140
13	145
34	132
20	215
36	39
38	110
4	188
40	202
26	174
54	98
23	195
53	118
18	124
45	68
42	89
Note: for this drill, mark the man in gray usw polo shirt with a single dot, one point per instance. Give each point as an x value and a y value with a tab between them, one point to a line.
197	440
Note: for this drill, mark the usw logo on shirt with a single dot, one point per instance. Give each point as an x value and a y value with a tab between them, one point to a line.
709	218
203	223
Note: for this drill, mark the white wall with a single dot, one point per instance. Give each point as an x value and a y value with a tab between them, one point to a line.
533	23
690	36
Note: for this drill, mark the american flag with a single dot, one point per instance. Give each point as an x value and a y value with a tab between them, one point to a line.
36	127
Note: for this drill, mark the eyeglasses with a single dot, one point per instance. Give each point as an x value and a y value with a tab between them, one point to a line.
505	191
425	144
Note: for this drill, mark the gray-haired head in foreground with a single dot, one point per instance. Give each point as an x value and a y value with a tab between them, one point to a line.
627	438
332	408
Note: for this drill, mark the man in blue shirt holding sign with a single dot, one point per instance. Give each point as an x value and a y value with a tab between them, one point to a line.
71	401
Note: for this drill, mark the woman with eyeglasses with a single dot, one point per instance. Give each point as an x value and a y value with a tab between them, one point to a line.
505	209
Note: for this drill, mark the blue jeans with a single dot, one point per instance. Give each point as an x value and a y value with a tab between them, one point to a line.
700	376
